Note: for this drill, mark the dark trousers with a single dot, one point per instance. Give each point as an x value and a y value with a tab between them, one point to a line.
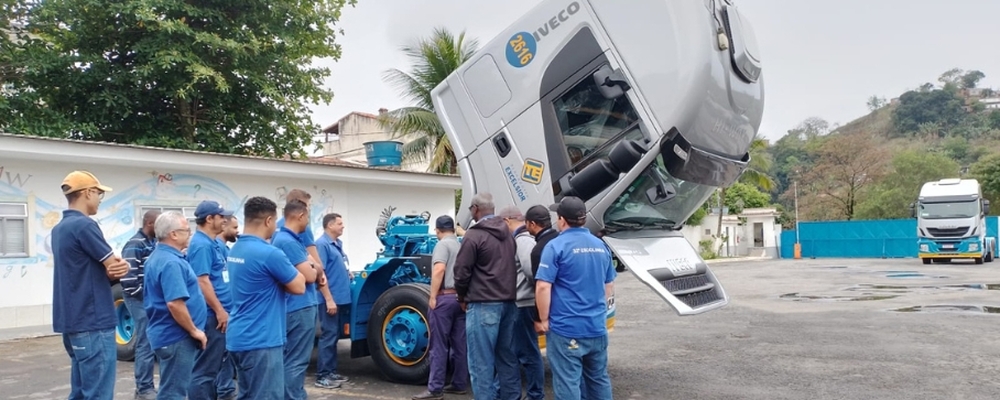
448	338
209	362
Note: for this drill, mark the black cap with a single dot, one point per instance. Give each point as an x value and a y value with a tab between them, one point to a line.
570	208
538	214
445	223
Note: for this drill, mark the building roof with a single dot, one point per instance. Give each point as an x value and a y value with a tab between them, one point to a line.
335	127
14	146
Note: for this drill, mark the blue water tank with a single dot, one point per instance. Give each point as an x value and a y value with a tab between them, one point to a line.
384	153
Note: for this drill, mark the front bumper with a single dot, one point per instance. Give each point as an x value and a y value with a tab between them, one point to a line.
950	248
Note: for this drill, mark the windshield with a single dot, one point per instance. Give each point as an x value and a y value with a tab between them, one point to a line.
656	200
965	209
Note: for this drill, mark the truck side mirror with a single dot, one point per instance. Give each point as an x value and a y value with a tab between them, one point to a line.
913	210
986	207
611	83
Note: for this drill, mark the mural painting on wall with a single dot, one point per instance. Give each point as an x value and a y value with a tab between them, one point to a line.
320	204
120	208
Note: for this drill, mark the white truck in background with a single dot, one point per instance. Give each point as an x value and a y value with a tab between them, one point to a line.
641	108
951	222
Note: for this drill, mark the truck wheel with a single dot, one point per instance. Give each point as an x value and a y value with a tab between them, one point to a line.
979	260
989	257
399	333
927	261
125	327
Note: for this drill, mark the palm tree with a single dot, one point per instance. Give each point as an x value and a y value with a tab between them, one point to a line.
755	174
433	59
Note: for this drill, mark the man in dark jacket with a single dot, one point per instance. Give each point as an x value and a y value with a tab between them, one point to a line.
486	284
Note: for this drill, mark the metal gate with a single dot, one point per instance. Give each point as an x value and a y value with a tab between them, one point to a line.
895	238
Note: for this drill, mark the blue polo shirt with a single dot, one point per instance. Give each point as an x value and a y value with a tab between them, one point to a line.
338	278
169	277
578	265
81	290
206	258
224	248
306	237
259	272
290	243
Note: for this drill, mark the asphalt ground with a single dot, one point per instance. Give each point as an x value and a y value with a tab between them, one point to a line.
795	329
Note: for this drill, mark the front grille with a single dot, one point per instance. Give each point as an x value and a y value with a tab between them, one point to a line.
948	232
693	290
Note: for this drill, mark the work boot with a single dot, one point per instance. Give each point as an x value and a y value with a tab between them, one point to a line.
327	383
453	390
427	395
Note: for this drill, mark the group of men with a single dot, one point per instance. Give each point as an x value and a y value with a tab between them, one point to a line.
204	311
513	277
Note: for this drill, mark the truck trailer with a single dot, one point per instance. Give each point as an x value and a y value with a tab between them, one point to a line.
951	222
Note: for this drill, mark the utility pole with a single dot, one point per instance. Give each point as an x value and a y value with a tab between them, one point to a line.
798	245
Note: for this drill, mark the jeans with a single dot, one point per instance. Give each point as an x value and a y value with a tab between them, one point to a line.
489	330
93	357
225	386
528	354
578	364
144	357
176	364
260	375
209	362
448	340
300	332
326	361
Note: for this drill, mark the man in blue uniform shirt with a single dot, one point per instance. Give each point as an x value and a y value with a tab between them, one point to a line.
574	276
207	261
225	385
84	268
136	251
175	306
301	309
260	275
331	254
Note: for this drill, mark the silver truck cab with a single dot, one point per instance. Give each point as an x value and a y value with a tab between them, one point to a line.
640	108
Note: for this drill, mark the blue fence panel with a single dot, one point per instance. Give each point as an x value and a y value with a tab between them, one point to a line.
862	239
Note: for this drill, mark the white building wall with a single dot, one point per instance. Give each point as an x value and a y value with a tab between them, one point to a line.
26	282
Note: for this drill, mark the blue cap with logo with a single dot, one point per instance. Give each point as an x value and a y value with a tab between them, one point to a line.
210	207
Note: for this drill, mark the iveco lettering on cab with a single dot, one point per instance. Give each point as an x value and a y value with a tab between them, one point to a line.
641	108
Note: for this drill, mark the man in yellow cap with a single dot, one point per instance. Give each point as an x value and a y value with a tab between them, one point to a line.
83	310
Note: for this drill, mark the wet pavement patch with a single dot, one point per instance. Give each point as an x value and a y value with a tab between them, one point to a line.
909	288
910	274
950	308
832	266
863	297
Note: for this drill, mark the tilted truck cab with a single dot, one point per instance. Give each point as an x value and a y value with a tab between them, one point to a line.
641	108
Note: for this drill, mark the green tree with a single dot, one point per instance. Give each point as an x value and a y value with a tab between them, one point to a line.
433	58
971	78
987	172
192	75
846	167
891	196
937	106
755	174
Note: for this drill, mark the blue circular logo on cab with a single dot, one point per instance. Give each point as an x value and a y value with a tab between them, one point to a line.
521	49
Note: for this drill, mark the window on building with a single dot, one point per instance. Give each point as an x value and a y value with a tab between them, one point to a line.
187	211
589	120
13	230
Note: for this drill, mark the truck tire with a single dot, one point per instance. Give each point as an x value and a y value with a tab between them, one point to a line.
125	327
927	261
399	333
979	260
989	256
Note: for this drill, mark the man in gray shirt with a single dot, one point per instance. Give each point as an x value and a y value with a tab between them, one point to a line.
446	318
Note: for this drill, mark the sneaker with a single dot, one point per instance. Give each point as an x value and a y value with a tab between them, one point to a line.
337	378
149	395
327	383
428	395
453	390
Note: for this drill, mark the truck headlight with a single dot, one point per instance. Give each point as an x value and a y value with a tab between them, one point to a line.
973	246
925	247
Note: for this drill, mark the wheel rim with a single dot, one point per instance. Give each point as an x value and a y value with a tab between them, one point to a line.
126	326
404	334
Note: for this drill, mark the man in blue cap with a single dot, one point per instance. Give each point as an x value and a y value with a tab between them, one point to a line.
209	264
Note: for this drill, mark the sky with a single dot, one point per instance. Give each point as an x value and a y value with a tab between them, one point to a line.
820	58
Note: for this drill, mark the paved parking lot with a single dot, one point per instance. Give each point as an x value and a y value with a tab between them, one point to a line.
806	329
